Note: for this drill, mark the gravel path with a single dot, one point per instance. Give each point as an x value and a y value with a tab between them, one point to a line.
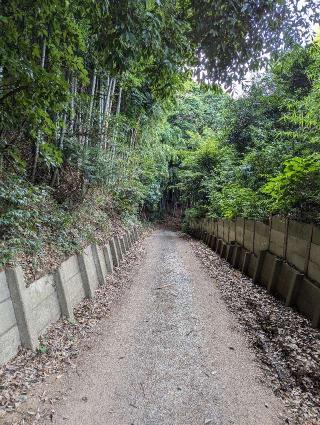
170	354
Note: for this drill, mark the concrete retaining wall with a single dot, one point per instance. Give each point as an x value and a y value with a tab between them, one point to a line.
26	312
9	333
282	255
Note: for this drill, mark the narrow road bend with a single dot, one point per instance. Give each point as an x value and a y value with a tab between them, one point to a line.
170	354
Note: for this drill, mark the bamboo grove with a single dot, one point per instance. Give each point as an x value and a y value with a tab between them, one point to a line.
86	88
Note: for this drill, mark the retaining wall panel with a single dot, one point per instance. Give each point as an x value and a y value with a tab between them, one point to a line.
308	298
91	267
261	239
220	228
232	234
252	265
102	262
4	290
283	282
9	333
9	343
239	230
241	258
297	244
314	263
43	301
277	236
248	235
226	230
75	290
266	269
316	235
46	313
72	280
7	316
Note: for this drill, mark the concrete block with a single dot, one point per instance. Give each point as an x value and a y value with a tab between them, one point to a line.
118	248
275	272
43	300
245	263
135	238
248	235
277	236
316	317
219	246
223	251
239	230
220	229
108	258
100	264
88	271
17	288
213	242
69	286
9	344
297	245
260	262
285	280
295	282
230	250
7	316
252	265
63	295
123	245
114	252
130	233
232	232
266	268
261	239
307	300
313	270
126	241
4	290
236	256
225	230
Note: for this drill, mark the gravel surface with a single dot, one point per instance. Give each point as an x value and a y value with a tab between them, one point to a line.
286	345
170	353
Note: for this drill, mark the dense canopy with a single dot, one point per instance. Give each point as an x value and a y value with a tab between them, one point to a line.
97	101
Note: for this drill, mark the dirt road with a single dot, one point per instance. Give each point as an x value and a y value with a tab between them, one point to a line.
171	354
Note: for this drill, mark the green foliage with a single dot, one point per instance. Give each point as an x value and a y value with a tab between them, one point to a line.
260	152
297	186
237	201
232	37
97	98
21	217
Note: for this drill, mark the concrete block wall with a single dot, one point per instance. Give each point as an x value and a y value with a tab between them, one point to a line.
26	312
44	305
277	236
9	332
248	238
313	267
283	256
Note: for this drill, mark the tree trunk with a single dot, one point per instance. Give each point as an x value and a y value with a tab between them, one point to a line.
39	135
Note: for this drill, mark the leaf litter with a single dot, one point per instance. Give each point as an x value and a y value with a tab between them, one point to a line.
59	348
286	345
